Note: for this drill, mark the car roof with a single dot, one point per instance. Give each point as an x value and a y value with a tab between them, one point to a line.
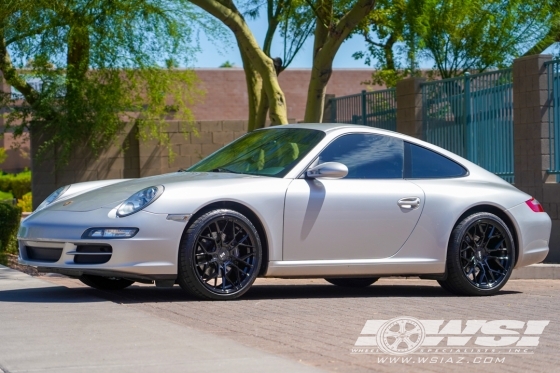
328	127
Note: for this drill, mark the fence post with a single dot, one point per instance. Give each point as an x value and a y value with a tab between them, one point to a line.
409	107
532	140
364	108
469	131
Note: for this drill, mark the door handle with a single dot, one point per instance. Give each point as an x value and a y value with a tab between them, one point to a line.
409	203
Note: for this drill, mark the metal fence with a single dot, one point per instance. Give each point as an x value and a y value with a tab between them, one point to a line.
375	109
553	72
473	116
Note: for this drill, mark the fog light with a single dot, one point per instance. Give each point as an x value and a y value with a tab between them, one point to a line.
110	233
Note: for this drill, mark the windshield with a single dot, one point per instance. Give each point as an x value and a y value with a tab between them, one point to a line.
272	152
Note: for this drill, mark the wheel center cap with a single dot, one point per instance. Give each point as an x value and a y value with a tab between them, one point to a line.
223	254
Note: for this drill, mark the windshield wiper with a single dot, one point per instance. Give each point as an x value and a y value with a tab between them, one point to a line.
222	169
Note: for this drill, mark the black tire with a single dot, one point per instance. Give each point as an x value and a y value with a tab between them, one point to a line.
219	256
105	283
480	256
358	282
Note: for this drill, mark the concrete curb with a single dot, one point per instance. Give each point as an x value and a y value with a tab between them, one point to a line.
540	271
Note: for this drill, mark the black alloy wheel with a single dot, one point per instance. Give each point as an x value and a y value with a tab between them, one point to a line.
105	283
352	282
481	256
220	255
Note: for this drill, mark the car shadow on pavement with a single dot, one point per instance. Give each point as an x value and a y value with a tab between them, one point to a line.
144	294
149	294
51	294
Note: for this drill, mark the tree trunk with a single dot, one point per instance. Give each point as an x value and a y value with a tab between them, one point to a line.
320	75
12	76
226	12
328	38
254	92
77	62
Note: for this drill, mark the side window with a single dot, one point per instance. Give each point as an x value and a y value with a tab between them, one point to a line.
422	163
367	156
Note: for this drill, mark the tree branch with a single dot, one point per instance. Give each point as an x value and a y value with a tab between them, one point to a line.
12	76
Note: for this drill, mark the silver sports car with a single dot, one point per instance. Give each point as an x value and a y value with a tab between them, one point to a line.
342	202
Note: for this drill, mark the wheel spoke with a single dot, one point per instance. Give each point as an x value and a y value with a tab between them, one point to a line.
396	343
488	271
497	246
223	270
208	238
239	269
498	263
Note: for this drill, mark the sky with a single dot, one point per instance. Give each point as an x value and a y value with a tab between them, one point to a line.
212	55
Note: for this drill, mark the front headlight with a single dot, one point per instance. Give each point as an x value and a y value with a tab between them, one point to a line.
53	197
139	200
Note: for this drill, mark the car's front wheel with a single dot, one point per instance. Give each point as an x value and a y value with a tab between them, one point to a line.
105	283
357	282
220	255
480	256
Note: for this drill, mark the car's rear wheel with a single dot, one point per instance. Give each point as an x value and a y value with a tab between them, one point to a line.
220	255
358	282
480	256
105	283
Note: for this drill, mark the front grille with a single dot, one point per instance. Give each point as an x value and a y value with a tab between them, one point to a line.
43	254
93	254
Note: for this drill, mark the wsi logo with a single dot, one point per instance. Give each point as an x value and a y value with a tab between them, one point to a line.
405	335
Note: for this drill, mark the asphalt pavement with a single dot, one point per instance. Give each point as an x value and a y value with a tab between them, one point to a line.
53	323
49	328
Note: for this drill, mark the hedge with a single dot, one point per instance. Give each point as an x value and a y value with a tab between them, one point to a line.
10	217
18	184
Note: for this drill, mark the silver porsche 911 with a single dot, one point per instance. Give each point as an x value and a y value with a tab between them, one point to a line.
346	203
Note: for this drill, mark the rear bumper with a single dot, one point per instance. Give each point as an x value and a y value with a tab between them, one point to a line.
533	230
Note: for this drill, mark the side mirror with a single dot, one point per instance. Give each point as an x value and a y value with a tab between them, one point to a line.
331	170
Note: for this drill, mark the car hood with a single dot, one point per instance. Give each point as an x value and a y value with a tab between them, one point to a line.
114	194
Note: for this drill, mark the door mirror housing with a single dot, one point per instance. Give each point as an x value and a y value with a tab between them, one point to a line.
331	170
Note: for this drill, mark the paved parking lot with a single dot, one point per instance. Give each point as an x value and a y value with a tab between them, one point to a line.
314	324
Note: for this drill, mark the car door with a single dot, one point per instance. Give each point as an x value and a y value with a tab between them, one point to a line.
368	214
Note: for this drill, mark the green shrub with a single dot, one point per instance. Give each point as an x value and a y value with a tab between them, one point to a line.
5	182
5	195
26	202
18	184
10	217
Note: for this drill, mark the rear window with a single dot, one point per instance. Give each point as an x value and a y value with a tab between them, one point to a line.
422	163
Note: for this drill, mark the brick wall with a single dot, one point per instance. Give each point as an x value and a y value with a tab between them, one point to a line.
226	93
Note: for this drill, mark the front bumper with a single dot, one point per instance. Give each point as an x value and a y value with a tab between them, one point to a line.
151	254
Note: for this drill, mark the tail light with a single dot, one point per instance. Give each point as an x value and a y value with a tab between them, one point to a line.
534	205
